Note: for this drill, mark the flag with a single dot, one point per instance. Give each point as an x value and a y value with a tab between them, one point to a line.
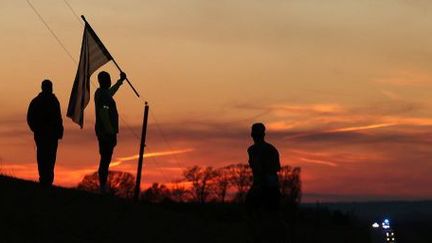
93	56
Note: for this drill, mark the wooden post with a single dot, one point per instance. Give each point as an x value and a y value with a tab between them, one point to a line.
141	153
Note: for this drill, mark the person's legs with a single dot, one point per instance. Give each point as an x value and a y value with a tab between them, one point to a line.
272	198
46	157
273	226
253	204
41	155
106	148
51	159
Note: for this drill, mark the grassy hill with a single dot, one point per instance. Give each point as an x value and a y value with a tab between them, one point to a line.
30	213
33	214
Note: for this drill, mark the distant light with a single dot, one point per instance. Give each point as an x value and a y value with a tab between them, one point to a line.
386	227
386	221
375	225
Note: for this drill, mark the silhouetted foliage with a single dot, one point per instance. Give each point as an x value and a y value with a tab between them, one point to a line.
72	216
229	183
156	193
240	177
221	184
119	183
180	194
290	182
202	182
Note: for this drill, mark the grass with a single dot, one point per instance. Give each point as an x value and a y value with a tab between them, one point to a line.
30	213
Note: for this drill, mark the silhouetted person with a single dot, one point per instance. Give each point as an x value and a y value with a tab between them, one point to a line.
106	123
263	198
44	119
264	162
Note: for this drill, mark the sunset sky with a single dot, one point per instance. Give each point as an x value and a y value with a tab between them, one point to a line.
343	87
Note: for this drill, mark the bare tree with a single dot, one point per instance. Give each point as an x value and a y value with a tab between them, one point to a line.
179	193
202	182
285	180
296	192
119	183
240	177
222	184
156	193
291	192
291	187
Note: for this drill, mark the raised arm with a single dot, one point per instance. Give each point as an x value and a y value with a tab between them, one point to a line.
117	85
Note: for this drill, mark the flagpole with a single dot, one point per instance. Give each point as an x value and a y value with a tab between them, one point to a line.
115	63
141	153
133	88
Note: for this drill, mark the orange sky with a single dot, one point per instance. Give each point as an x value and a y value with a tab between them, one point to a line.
343	87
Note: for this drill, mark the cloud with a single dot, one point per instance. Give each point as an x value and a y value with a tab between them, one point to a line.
298	109
409	121
361	128
333	143
320	162
408	136
345	131
120	160
391	95
407	77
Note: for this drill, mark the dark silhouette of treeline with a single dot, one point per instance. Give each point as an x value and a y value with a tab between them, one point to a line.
68	215
199	185
223	189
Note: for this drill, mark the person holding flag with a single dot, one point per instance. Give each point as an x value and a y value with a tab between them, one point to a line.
106	125
94	55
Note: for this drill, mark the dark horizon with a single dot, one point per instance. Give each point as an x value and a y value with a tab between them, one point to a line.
343	96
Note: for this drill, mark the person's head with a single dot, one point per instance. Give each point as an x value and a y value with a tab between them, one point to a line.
47	86
104	80
258	132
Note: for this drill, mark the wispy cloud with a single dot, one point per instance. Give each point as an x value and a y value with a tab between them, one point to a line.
283	109
407	77
118	161
360	128
335	140
320	162
391	95
341	130
409	121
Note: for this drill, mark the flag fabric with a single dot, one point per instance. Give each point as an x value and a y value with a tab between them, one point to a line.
93	56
